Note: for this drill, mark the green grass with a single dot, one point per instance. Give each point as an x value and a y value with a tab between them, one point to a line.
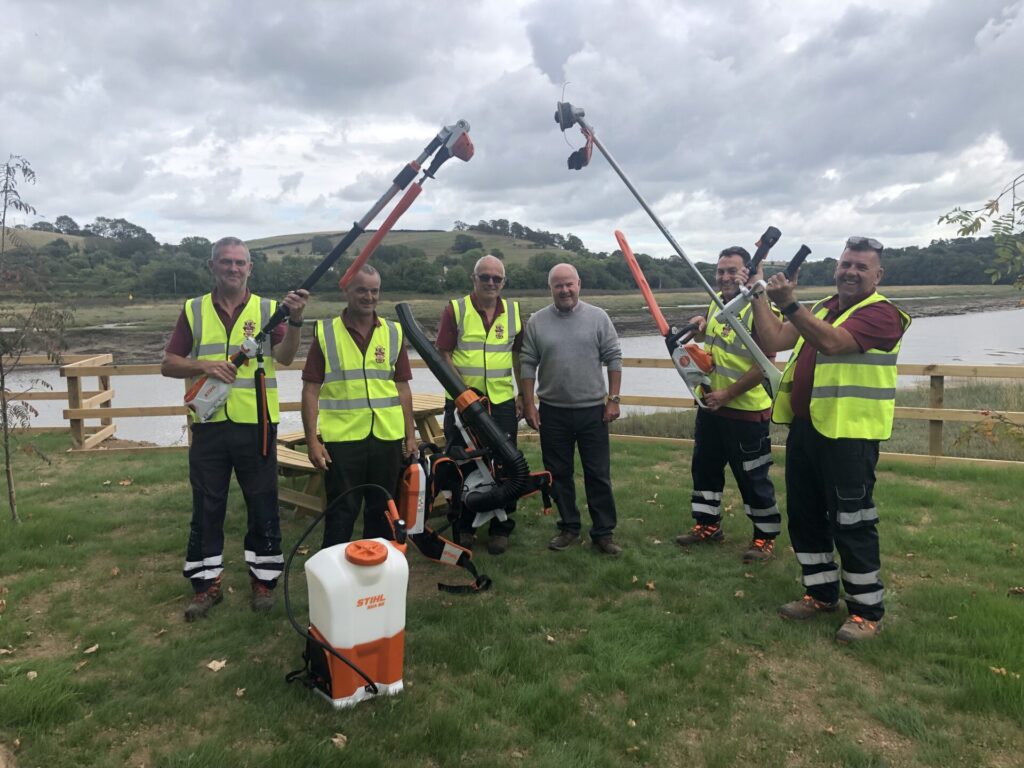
696	670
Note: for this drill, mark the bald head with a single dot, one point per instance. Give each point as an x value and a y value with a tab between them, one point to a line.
564	281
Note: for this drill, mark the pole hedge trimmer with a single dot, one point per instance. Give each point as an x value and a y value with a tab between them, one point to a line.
566	115
208	394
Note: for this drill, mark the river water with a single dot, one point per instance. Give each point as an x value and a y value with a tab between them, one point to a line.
983	338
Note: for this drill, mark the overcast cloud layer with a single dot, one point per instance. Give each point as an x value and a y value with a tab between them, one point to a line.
250	118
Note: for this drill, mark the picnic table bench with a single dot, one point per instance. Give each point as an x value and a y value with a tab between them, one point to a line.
304	489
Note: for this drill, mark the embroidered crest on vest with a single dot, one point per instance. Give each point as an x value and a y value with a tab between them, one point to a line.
499	331
249	329
378	354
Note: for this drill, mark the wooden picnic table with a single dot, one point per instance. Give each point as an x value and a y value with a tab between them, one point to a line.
305	489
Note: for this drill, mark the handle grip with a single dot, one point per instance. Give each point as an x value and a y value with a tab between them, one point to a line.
764	244
794	265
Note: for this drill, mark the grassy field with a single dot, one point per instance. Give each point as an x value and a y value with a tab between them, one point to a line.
660	657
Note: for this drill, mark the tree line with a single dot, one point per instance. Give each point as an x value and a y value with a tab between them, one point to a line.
118	258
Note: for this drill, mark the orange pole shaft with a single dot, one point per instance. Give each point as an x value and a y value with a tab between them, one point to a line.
403	205
641	282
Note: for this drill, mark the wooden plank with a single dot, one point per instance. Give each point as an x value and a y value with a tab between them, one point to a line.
88	362
970	371
106	403
294	460
291	439
301	499
36	361
46	395
99	436
126	412
954	414
75	401
81	369
129	449
662	402
94	401
935	401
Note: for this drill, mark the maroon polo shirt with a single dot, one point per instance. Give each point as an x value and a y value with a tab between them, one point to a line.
876	326
315	366
448	331
181	338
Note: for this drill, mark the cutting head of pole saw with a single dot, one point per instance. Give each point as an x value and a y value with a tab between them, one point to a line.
455	142
566	115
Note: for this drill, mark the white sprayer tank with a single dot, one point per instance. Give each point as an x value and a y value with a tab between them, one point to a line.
357	606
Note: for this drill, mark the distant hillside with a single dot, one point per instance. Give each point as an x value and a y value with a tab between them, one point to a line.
34	238
432	242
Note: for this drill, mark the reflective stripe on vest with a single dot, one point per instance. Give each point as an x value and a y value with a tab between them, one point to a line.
732	359
484	358
210	342
852	395
359	394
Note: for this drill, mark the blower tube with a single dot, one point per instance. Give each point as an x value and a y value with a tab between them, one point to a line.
476	417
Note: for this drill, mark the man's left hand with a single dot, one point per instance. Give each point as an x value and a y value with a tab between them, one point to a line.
411	448
780	290
611	411
716	398
296	303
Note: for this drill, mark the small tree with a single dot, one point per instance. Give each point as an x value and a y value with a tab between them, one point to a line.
34	326
1007	228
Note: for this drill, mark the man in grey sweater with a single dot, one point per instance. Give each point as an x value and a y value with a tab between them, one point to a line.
564	347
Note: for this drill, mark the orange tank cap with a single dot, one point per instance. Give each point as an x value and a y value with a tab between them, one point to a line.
366	552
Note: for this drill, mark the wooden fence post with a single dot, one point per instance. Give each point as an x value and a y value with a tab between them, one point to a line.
75	401
937	390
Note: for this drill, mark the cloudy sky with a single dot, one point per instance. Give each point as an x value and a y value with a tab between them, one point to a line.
255	118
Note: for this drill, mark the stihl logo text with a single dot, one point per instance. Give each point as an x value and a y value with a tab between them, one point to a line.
376	601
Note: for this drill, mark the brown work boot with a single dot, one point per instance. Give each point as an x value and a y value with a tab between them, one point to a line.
563	541
467	539
806	608
203	601
857	628
759	551
606	545
702	533
497	544
262	598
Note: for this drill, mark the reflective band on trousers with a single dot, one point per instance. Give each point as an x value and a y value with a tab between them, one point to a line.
210	342
861	578
732	359
359	395
866	598
484	357
853	395
860	516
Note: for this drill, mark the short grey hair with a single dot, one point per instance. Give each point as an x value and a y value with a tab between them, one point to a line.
224	242
366	269
476	267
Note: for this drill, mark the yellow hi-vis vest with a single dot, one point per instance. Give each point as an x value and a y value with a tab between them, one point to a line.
732	359
484	358
359	395
854	395
210	342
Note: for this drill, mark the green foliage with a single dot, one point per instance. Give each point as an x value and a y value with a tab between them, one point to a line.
1007	229
465	243
321	244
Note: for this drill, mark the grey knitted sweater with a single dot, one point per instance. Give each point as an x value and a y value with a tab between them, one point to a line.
564	352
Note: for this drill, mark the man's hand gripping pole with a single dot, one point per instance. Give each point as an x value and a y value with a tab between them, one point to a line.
207	394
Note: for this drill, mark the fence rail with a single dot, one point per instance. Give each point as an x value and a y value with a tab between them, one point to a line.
90	411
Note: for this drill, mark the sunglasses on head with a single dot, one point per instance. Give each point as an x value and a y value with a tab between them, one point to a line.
863	244
495	279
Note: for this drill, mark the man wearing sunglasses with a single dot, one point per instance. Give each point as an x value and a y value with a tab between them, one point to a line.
838	395
481	335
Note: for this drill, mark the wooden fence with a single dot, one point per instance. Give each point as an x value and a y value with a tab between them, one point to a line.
91	412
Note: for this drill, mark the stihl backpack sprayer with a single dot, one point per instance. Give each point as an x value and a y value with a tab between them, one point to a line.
207	395
693	373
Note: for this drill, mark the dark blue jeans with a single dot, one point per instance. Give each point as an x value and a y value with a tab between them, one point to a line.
561	431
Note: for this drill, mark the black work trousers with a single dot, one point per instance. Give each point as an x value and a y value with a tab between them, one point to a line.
829	502
360	462
561	431
504	415
218	449
747	449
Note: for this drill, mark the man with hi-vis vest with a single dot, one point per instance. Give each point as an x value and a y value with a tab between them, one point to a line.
838	395
356	380
210	329
481	335
733	427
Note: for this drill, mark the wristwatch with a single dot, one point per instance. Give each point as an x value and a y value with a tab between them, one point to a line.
613	399
295	323
790	308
